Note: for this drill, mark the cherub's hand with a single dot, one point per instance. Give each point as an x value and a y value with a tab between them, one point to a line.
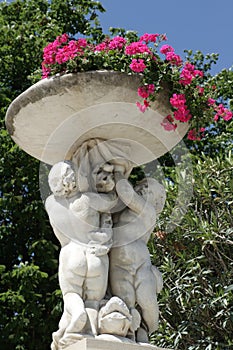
119	168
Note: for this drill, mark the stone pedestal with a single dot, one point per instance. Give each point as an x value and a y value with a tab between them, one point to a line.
97	344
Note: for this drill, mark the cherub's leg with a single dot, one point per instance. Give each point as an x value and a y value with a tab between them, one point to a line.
146	296
64	322
74	306
95	286
97	276
122	271
121	283
72	271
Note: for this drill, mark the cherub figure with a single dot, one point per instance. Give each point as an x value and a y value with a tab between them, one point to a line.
132	276
82	223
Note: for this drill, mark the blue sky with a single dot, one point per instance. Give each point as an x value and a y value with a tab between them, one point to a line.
205	25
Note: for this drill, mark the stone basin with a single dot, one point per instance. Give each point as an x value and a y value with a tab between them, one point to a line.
52	118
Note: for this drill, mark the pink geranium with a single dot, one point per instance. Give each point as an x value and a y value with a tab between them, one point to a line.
101	47
117	43
82	43
189	73
196	135
174	59
222	112
146	90
201	90
119	54
143	107
137	65
137	48
166	48
168	123
178	100
182	114
149	38
211	101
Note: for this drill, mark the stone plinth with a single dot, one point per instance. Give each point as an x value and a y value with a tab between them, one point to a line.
97	344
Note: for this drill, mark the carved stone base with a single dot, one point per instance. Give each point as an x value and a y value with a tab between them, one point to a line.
98	344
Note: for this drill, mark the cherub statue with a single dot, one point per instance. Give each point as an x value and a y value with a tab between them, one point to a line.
132	276
82	223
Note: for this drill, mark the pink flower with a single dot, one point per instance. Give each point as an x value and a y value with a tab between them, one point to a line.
216	117
63	38
200	90
211	101
228	115
196	135
101	47
45	71
137	65
222	112
166	48
143	107
168	123
146	90
82	43
198	72
182	114
137	48
149	38
67	52
173	58
151	88
117	43
143	92
189	73
178	100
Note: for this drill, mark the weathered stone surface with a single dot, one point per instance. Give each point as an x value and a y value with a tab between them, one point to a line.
97	344
56	115
108	283
88	127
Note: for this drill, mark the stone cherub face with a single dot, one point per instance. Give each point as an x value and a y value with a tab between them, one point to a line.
62	179
152	191
104	178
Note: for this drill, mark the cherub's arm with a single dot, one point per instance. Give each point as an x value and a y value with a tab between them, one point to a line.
127	194
101	202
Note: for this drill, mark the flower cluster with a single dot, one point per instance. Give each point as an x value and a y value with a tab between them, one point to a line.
196	135
181	112
61	51
171	57
189	73
191	98
116	43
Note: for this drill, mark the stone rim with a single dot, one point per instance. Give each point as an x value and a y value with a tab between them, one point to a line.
77	94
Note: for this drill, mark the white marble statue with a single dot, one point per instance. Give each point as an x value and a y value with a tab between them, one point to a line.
82	223
108	283
132	276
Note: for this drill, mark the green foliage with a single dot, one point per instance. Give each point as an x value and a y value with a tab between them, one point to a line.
26	26
201	61
29	290
195	259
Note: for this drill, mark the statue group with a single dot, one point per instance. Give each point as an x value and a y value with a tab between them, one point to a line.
103	223
86	125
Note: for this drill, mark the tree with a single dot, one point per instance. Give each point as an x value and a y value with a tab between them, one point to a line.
29	291
195	259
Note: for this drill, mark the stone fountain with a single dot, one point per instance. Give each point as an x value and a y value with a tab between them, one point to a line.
87	127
